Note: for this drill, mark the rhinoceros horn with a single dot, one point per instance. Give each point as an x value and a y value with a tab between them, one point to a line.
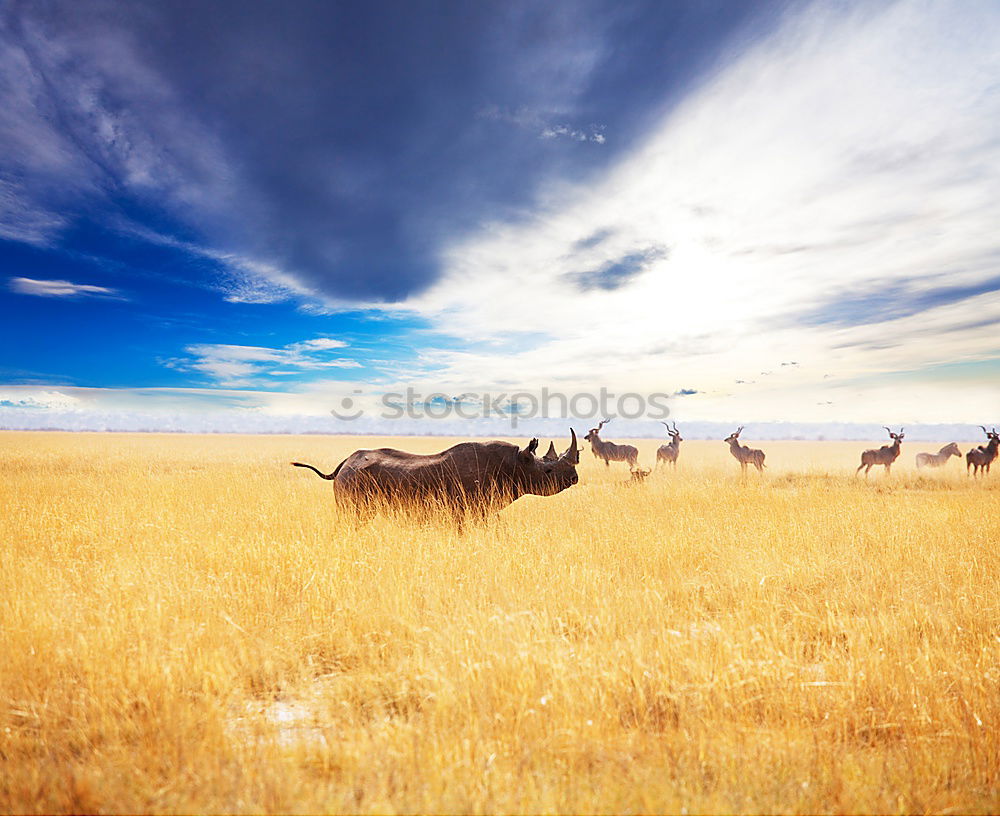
572	454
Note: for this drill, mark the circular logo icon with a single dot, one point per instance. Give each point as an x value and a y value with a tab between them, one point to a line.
347	410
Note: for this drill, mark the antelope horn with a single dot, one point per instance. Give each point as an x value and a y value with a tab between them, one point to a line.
984	429
739	430
675	429
887	429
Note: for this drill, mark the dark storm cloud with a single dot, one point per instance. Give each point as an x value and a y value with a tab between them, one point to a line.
342	143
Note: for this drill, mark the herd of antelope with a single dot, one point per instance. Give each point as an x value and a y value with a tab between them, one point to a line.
977	460
478	478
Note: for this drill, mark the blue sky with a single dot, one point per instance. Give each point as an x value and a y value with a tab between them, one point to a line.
769	211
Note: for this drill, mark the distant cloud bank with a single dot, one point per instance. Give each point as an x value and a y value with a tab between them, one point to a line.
35	415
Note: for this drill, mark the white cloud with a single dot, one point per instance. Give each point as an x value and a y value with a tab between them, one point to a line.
224	351
575	134
545	124
33	397
231	372
848	153
59	289
235	365
20	221
245	280
321	343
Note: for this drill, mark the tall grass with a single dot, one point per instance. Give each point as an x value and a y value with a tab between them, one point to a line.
188	624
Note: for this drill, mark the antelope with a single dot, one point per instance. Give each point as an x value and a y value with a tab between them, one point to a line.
939	459
886	455
638	476
744	453
669	452
608	451
981	457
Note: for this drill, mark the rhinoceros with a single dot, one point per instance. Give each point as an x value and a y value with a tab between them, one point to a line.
469	477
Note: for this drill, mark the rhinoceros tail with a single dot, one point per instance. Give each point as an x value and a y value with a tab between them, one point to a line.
311	468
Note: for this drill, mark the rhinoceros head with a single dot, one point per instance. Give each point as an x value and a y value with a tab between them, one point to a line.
548	475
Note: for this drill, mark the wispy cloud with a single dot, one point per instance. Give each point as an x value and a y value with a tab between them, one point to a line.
243	280
86	121
594	133
320	343
60	289
23	220
233	365
545	124
620	271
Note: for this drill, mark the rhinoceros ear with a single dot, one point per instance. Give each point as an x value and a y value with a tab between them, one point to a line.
529	450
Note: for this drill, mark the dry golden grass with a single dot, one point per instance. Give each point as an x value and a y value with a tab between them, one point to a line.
188	625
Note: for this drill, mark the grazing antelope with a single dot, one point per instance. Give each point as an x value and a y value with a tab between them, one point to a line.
886	455
638	475
939	459
744	454
609	451
981	457
669	452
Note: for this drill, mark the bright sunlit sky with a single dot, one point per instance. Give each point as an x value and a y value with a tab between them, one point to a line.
769	211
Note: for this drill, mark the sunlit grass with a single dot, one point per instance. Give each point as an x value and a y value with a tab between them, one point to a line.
188	624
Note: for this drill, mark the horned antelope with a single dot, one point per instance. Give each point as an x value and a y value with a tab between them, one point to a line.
939	459
609	451
886	455
980	458
638	476
669	452
744	454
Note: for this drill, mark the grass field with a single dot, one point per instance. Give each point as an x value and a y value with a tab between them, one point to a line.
188	625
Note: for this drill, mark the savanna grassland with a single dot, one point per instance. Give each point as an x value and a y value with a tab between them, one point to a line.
188	624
